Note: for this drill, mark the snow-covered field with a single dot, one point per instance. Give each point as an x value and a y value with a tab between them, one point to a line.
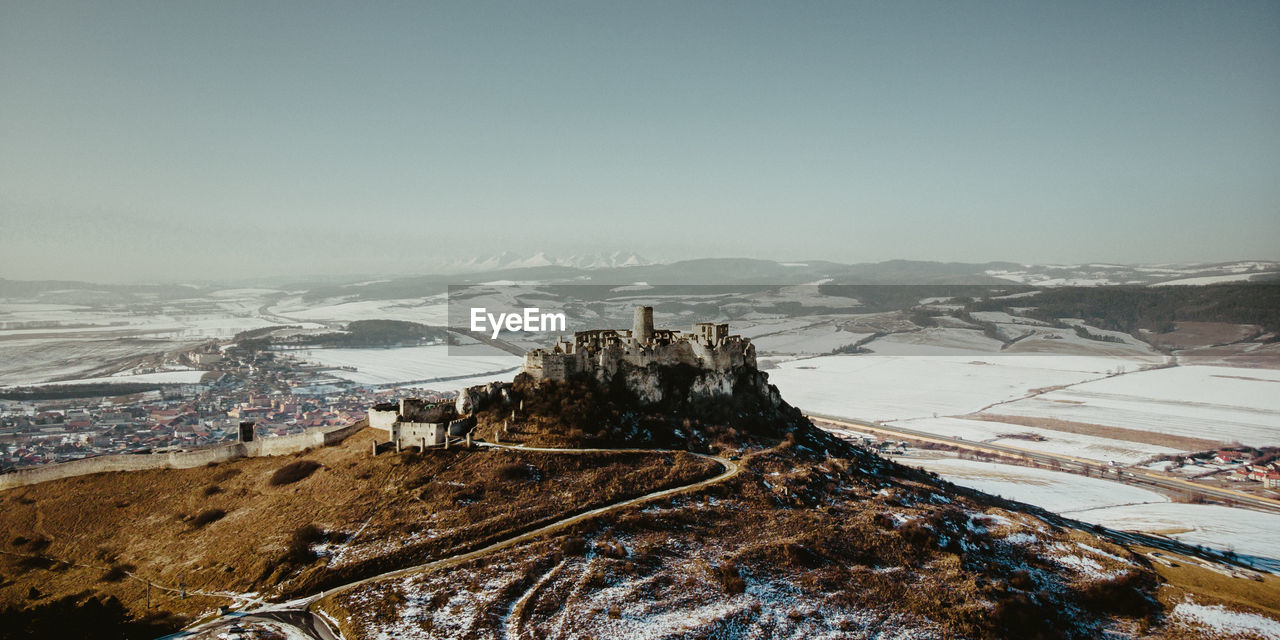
1235	277
75	341
431	311
1065	493
935	342
25	362
409	364
1252	535
878	387
231	318
757	327
1057	442
1120	506
190	376
1198	401
811	341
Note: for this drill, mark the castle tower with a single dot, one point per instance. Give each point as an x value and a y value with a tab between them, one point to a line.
642	329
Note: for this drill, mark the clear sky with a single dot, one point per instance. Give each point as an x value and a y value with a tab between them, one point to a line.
169	140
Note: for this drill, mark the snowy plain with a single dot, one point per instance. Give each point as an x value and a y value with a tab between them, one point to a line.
432	310
1225	403
408	364
41	342
1253	535
896	387
1065	493
1057	442
189	376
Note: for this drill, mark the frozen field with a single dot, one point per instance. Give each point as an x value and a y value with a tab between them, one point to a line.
1120	506
431	311
166	377
1247	533
1056	442
86	342
758	327
877	387
1065	493
408	364
935	342
810	341
24	362
1225	403
80	322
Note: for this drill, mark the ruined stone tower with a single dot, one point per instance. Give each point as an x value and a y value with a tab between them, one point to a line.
642	330
604	353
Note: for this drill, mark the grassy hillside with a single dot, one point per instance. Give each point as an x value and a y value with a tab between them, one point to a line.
247	526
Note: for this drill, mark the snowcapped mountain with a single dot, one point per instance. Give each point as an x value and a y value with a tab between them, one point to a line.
1087	275
509	260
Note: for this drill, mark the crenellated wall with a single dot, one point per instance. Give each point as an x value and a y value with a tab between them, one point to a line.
283	445
430	433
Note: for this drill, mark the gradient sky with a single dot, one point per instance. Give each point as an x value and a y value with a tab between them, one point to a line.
171	140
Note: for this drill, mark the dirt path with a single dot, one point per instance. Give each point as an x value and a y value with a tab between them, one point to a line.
298	615
516	616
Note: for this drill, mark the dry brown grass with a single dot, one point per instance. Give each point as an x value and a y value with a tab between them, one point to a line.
1183	443
293	472
827	537
145	518
208	516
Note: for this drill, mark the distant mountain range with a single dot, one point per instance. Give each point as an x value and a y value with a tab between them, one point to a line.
626	268
509	260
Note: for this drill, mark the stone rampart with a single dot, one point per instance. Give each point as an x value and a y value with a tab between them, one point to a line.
283	445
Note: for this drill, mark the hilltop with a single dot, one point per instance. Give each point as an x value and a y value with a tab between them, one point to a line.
800	535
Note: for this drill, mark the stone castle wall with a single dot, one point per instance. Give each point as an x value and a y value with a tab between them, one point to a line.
605	361
382	416
430	433
642	354
284	445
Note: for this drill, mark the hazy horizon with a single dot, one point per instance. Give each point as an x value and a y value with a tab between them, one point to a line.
167	142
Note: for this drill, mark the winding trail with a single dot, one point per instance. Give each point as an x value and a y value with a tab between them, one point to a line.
298	615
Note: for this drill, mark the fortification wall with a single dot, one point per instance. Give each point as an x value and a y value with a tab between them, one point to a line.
461	426
383	418
431	433
335	436
284	445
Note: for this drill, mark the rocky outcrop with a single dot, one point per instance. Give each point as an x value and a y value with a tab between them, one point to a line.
482	396
654	385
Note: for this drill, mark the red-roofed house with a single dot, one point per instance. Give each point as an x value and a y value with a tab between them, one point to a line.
1227	457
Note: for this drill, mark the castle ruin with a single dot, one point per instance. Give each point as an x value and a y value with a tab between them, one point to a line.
416	422
603	353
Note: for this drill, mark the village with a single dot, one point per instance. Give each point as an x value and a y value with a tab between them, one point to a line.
281	395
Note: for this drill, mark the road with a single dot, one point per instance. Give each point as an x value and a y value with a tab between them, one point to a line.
1065	462
496	343
297	613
